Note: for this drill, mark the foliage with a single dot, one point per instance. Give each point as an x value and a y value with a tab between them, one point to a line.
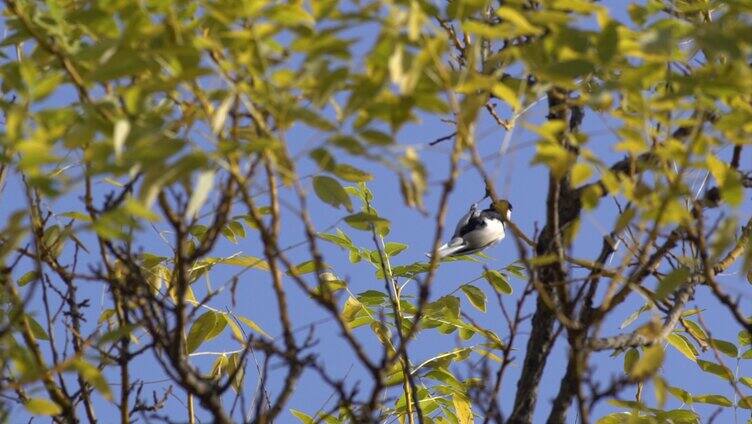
146	142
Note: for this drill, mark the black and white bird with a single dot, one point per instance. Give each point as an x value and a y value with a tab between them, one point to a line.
477	230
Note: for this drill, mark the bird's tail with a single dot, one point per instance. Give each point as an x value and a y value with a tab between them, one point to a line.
449	249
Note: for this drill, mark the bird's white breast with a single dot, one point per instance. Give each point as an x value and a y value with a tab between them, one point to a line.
492	232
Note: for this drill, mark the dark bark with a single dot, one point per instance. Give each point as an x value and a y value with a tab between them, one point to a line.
563	207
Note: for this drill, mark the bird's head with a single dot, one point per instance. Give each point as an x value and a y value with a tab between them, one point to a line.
503	207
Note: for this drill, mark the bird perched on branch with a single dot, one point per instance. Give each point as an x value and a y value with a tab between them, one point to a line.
477	230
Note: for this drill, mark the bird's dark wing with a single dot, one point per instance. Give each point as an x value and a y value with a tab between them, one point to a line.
472	213
474	223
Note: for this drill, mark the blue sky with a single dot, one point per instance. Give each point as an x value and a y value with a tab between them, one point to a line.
523	184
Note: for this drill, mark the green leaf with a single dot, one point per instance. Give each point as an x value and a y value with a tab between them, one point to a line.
79	216
117	334
558	159
253	326
678	416
745	402
516	18
394	249
340	239
695	330
244	261
630	359
41	406
670	282
27	278
633	316
498	281
713	400
237	332
206	327
728	348
36	329
323	159
303	268
93	376
681	394
302	416
234	365
744	338
331	192
648	364
354	314
462	409
505	93
747	381
233	231
476	296
351	173
682	345
713	368
292	15
617	418
364	220
218	367
608	43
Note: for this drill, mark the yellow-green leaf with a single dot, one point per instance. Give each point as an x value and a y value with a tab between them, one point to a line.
713	368
498	281
204	184
206	327
330	191
41	406
476	296
670	282
682	345
648	364
505	93
120	133
302	416
725	347
713	400
463	409
253	326
93	376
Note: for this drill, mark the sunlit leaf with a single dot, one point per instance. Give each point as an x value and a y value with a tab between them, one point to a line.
463	409
713	368
713	400
206	327
682	345
330	191
670	282
725	347
364	221
648	363
41	406
120	133
475	295
92	375
204	185
498	281
302	416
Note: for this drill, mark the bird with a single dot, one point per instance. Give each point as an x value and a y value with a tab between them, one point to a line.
477	230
